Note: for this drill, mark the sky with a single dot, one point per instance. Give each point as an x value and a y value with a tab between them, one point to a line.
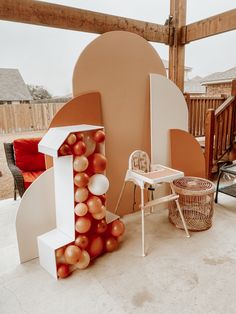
47	56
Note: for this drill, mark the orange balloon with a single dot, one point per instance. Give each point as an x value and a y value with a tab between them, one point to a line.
96	247
60	252
98	162
72	254
65	150
82	224
63	271
111	244
99	136
71	139
80	136
80	163
82	241
81	209
117	228
94	204
81	194
83	261
81	179
101	226
79	148
101	214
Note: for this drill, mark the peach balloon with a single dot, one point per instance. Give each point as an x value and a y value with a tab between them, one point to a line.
82	224
117	228
98	184
80	163
71	139
101	214
96	247
82	241
81	194
81	179
79	148
94	204
72	254
90	145
98	162
81	209
83	261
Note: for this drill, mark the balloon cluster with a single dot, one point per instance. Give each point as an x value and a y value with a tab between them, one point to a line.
93	236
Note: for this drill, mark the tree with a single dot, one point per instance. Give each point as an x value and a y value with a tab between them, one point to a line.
39	92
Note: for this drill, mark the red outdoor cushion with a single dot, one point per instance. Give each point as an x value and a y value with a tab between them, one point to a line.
27	156
29	177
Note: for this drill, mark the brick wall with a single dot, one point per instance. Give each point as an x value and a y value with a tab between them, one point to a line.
219	89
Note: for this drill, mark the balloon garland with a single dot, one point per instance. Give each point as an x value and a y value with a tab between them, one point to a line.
93	236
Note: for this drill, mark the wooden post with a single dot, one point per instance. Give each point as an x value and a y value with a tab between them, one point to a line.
209	142
233	88
177	50
233	93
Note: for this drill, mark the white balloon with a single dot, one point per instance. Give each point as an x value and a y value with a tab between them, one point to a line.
90	145
98	184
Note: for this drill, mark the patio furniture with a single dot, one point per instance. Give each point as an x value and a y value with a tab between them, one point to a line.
229	189
24	162
140	175
196	199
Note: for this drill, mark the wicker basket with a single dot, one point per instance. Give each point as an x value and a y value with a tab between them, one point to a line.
196	199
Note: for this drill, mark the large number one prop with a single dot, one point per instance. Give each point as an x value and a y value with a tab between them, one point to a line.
85	229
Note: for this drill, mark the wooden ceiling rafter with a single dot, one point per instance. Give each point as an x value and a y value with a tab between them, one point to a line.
176	33
65	17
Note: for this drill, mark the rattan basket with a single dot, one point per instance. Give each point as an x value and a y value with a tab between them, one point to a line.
196	199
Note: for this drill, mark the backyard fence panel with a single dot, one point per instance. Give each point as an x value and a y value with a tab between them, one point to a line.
27	117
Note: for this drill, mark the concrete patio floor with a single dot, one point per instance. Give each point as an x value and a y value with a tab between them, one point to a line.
179	275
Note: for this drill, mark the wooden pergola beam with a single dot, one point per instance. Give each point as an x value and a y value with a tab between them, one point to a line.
213	25
60	16
177	49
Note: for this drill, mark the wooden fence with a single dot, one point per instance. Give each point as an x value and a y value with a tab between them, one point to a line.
197	109
27	117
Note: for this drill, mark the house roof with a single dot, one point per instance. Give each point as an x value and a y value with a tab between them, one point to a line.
194	86
220	77
12	86
166	65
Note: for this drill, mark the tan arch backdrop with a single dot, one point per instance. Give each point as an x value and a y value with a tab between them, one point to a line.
117	64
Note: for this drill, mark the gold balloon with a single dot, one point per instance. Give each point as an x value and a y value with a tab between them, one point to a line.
81	194
81	209
80	163
83	261
71	139
72	254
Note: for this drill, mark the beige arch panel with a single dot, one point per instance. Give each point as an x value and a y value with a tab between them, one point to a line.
186	154
35	215
168	110
117	64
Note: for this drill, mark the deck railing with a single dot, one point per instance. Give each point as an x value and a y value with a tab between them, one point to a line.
220	131
197	109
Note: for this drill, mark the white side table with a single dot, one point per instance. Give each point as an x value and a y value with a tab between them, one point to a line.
159	174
